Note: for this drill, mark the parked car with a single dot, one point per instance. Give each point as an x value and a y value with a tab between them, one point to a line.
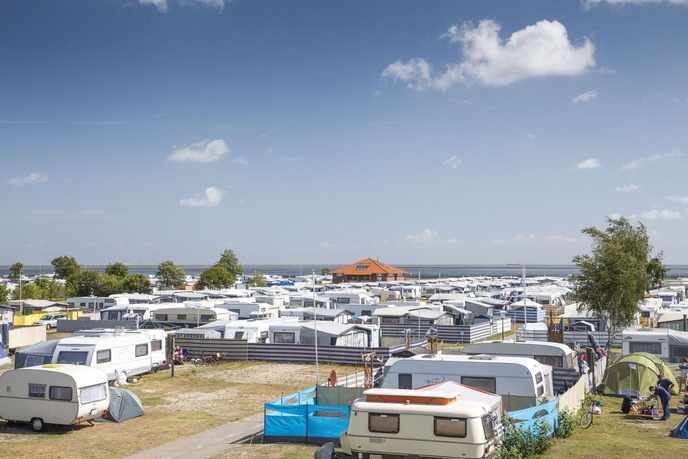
50	320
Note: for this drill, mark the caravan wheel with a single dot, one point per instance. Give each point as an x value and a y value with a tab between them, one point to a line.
37	424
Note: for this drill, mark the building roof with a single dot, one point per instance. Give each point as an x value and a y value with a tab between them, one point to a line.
368	267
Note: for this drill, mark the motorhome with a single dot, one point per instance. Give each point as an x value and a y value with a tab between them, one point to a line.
53	394
546	352
447	420
120	355
522	382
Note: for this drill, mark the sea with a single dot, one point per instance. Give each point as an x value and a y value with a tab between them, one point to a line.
413	270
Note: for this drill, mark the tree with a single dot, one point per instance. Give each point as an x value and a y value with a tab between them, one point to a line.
657	271
4	294
136	283
613	279
214	278
117	269
87	283
170	275
16	271
325	271
65	266
258	280
108	284
230	261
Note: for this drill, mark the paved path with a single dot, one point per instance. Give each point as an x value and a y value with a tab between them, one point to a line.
208	443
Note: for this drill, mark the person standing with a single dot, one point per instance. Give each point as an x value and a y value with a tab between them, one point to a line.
665	383
664	396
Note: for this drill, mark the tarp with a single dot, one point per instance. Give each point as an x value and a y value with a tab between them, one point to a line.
634	373
124	405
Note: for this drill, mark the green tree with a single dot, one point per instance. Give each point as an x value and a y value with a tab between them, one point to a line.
117	269
258	280
50	289
108	284
136	283
230	261
214	278
65	266
87	283
656	271
15	271
4	294
170	275
613	280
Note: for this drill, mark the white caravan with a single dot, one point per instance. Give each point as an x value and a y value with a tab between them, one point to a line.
53	394
253	331
157	337
441	421
546	352
140	311
522	382
190	315
120	355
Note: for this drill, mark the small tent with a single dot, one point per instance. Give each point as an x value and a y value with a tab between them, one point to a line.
124	405
681	430
634	373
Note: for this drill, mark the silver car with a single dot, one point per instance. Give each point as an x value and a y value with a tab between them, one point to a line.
50	320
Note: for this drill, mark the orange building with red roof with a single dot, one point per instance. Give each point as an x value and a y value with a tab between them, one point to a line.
367	270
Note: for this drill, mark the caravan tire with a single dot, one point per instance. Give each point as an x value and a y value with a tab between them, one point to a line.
37	424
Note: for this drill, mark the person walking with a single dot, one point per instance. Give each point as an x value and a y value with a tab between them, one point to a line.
664	396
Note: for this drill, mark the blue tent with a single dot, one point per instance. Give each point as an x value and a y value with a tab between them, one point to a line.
681	430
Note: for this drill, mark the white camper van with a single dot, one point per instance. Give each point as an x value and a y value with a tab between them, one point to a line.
441	421
53	394
120	355
522	382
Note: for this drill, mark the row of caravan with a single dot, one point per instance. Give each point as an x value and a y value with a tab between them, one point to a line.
120	354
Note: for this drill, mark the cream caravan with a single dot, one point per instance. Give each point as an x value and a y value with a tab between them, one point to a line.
441	421
53	394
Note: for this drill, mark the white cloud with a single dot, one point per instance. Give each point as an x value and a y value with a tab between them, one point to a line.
241	161
163	5
589	164
615	216
211	198
205	151
453	162
587	4
31	179
626	188
556	239
523	238
585	97
681	199
538	50
659	157
427	236
664	214
636	163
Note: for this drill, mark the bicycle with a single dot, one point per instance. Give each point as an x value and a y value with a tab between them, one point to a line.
586	417
208	359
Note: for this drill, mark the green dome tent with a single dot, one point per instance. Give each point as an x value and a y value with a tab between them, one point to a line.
634	373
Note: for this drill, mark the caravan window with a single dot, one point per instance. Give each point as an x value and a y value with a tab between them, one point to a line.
37	390
343	300
284	337
238	335
383	423
489	426
181	316
405	381
156	345
450	427
60	393
34	360
207	317
550	360
162	317
75	357
486	384
93	393
538	377
104	356
141	350
652	348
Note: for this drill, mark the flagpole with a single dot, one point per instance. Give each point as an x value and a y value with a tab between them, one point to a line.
315	329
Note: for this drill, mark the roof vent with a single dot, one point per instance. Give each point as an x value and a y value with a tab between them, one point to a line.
482	357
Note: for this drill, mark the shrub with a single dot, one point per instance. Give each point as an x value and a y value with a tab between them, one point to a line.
567	424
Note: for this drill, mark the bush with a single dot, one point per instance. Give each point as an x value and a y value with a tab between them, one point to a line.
567	424
525	443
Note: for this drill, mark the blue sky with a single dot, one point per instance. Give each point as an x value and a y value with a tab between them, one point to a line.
312	131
